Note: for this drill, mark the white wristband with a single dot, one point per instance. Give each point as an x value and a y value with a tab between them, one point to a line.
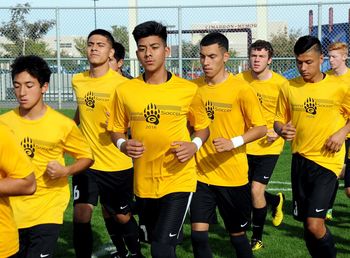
120	142
237	141
198	142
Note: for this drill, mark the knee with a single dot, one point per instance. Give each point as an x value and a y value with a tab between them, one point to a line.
82	213
347	192
162	250
198	237
123	218
316	228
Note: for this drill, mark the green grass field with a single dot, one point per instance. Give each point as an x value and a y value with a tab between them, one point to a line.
285	241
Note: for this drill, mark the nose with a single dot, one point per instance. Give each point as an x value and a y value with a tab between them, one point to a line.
22	91
148	52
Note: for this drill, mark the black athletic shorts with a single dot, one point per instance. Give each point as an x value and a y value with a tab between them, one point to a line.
347	162
234	204
115	189
261	167
161	219
38	241
312	186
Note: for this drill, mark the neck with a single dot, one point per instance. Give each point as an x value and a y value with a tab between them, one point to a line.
262	76
317	78
218	78
156	77
33	113
340	70
98	71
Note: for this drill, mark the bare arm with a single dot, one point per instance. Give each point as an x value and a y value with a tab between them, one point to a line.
77	117
185	150
286	131
336	140
17	186
55	170
132	148
223	144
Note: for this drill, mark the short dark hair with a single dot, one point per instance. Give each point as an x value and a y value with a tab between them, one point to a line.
305	43
104	33
119	51
150	28
34	65
261	44
215	38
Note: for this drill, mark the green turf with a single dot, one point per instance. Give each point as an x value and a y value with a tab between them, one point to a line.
285	241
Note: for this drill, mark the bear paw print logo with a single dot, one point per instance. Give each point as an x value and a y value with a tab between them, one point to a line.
90	99
209	107
310	106
28	146
259	98
152	114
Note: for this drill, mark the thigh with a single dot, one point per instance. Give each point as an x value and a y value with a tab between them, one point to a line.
262	167
116	191
203	205
85	189
235	206
173	208
41	241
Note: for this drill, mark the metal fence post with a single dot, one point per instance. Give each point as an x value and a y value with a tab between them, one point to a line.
180	39
58	56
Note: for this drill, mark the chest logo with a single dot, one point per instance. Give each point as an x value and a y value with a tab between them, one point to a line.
152	114
209	108
28	146
310	106
90	99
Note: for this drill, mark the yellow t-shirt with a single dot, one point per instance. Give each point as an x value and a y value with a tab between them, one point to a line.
316	110
232	107
267	92
345	78
158	116
14	164
45	139
94	96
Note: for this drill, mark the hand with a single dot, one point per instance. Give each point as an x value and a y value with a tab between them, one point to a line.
55	170
184	150
132	148
271	135
288	131
223	144
335	141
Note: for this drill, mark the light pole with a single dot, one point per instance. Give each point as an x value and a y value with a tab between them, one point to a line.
95	13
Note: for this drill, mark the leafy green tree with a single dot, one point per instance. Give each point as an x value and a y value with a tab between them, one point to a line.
25	37
121	35
80	45
283	42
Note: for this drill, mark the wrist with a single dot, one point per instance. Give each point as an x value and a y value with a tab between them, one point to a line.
119	142
198	142
237	141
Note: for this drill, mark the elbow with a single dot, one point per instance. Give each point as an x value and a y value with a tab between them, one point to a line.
31	185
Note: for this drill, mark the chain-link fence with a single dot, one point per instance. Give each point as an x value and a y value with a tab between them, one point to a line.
59	36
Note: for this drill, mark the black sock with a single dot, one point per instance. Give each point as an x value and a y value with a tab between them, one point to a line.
131	236
259	217
200	244
242	246
82	239
325	246
272	199
310	242
334	195
115	233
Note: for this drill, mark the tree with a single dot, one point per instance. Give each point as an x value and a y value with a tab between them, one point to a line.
283	42
80	45
121	35
24	36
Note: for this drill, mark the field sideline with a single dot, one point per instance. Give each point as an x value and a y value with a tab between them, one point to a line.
284	241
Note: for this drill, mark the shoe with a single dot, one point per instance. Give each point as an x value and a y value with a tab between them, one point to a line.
277	213
256	244
329	215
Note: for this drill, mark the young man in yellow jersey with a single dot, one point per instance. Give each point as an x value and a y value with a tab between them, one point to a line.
338	54
233	107
111	176
16	178
157	105
45	135
117	61
310	112
263	153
